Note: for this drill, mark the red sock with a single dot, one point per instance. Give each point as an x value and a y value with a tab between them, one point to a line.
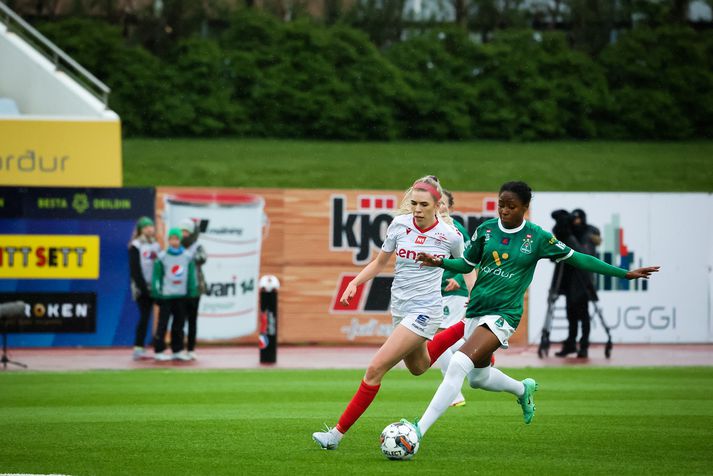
444	340
358	405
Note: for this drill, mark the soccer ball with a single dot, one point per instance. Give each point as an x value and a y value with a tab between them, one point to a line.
399	441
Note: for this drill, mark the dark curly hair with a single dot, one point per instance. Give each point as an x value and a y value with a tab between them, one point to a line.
521	189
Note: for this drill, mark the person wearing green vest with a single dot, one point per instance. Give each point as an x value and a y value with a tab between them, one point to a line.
174	281
506	250
143	251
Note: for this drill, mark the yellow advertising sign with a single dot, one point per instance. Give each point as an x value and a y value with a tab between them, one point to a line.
49	256
60	153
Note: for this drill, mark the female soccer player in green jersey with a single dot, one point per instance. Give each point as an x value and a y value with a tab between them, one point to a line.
507	250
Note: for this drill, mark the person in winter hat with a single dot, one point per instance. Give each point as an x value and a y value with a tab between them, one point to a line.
143	251
173	283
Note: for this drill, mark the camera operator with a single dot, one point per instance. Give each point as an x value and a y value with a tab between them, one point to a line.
577	285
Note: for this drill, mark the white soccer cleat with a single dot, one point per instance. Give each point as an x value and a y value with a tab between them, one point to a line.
161	357
192	355
182	356
139	353
326	440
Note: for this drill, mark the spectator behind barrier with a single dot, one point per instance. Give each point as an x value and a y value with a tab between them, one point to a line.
143	251
189	240
577	285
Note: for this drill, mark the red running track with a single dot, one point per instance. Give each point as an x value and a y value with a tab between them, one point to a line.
323	357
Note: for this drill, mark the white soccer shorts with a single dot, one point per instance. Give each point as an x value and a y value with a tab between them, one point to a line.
497	324
453	310
420	324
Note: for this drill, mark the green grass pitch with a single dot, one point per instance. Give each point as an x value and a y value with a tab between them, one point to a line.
588	421
465	166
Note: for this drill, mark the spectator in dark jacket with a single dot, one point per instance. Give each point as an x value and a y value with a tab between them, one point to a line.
577	285
143	250
189	241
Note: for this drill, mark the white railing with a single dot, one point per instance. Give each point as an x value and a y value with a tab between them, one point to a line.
61	60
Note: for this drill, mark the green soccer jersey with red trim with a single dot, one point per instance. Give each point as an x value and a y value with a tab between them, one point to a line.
507	259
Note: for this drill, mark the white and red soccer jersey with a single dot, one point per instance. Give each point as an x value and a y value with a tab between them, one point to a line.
417	288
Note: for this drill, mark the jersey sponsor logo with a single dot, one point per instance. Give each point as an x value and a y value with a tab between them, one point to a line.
411	254
526	244
497	257
364	230
487	235
422	320
373	297
177	270
421	239
408	254
487	269
556	242
150	255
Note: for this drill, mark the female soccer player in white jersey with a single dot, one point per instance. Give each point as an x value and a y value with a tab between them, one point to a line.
507	250
416	303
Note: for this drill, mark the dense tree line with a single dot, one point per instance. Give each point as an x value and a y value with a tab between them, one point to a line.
260	76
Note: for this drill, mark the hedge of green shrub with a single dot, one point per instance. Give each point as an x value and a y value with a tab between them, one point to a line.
265	78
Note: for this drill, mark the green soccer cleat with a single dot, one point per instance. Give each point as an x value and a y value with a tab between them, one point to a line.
527	402
414	424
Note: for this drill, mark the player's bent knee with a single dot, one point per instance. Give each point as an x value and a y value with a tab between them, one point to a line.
374	373
477	377
417	370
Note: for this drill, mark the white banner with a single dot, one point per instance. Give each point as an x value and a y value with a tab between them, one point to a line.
674	231
231	234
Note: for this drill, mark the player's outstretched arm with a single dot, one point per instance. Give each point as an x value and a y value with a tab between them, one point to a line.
595	265
427	259
643	273
369	271
457	265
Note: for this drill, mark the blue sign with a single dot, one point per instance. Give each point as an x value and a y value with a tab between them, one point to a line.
80	312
